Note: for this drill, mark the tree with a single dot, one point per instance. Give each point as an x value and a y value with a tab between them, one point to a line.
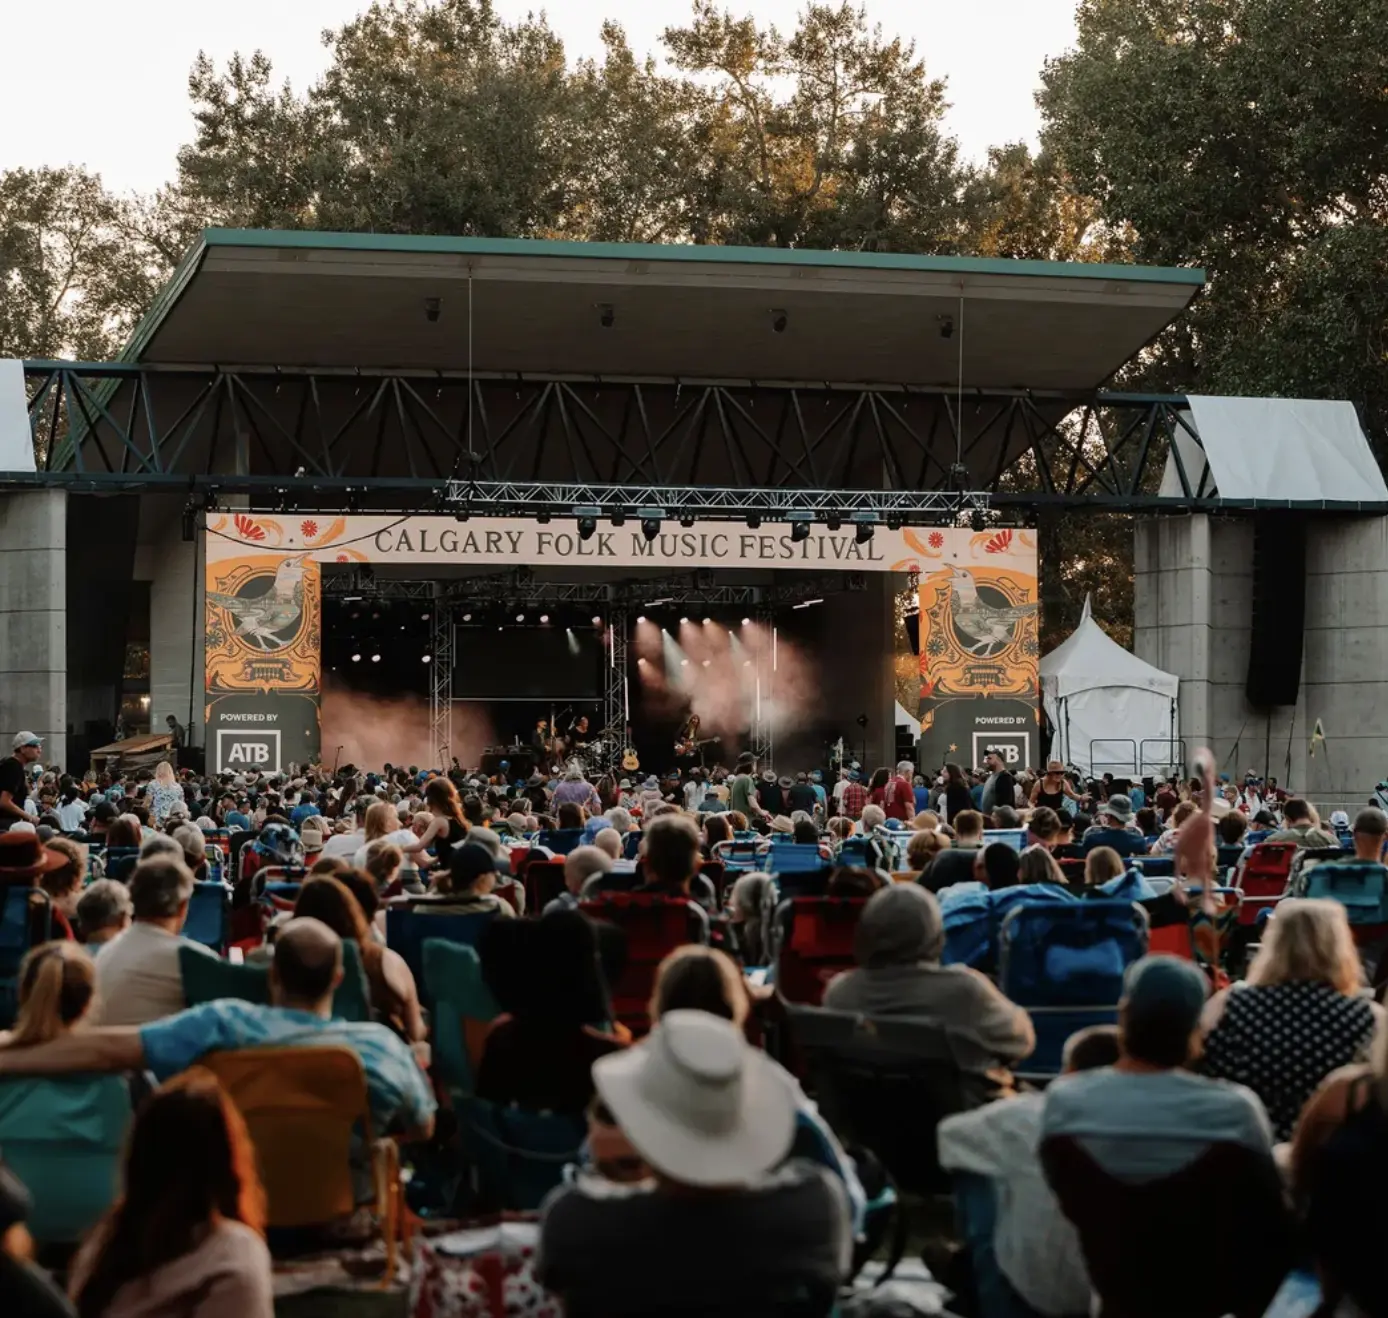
1249	137
76	272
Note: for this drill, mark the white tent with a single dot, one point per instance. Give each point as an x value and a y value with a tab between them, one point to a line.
1112	712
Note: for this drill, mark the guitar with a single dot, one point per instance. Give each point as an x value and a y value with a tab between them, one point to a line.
630	762
691	746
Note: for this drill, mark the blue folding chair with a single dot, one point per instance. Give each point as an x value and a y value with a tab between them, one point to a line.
26	920
209	908
463	1004
1155	866
519	1156
793	858
560	841
406	931
1064	962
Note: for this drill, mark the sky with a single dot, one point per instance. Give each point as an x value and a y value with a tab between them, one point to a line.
105	85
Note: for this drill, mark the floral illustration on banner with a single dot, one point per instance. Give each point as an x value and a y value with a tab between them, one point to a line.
991	542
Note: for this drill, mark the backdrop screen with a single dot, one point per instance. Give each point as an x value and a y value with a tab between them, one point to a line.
527	663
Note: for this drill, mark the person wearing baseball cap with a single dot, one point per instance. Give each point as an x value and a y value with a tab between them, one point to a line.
1149	1116
14	779
712	1120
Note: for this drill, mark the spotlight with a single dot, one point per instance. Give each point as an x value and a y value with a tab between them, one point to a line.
862	533
641	618
684	622
707	621
520	617
587	527
607	317
650	527
684	663
460	515
641	659
754	520
467	617
799	530
375	658
544	617
705	663
356	658
893	523
543	518
779	321
433	306
977	521
746	622
686	521
833	523
424	617
597	621
619	518
428	658
946	326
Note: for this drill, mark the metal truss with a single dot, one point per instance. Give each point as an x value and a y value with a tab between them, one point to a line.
615	697
441	677
391	440
517	588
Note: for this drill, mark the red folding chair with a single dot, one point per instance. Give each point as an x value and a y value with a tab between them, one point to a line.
815	942
544	881
655	925
1263	877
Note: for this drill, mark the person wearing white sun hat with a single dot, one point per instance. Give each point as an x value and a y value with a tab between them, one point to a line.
713	1121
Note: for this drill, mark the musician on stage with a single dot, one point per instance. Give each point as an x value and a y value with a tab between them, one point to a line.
578	735
539	741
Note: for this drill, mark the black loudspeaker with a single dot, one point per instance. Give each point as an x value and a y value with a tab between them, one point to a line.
1279	609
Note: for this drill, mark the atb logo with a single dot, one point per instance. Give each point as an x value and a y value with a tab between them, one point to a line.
243	749
1013	748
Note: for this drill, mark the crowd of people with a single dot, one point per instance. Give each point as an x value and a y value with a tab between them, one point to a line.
695	1131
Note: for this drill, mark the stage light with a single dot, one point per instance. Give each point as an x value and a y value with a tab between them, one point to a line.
686	521
597	621
650	527
375	658
424	617
863	533
467	617
754	520
544	617
641	659
520	617
619	518
799	531
684	663
641	618
708	622
977	521
428	658
833	523
893	522
587	527
746	622
356	658
684	622
543	518
706	663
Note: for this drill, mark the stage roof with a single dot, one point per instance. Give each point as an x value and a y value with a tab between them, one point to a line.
296	298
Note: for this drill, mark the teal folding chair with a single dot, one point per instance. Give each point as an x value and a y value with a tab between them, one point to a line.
63	1137
26	920
463	1006
208	978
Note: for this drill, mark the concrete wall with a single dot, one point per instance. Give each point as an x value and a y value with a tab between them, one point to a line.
174	569
1193	604
33	619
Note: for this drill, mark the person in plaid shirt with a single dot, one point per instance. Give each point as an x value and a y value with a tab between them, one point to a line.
855	797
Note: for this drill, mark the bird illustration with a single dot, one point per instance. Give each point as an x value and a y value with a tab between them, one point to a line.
988	627
260	619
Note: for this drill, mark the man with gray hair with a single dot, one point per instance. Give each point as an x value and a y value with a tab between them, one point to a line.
899	796
154	844
138	977
103	912
580	865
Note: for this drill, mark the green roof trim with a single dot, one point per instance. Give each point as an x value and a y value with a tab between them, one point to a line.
307	239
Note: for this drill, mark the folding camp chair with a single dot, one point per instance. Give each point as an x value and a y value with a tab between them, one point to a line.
813	942
654	925
1064	963
463	1010
26	920
885	1084
519	1156
407	929
209	911
544	881
301	1106
208	978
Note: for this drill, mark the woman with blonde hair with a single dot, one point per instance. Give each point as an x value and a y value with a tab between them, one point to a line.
1101	866
382	821
57	985
1302	1013
164	794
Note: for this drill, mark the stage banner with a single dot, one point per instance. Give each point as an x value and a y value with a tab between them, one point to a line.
979	654
262	647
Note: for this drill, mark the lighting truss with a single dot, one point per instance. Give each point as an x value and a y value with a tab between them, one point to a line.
614	690
706	503
441	676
